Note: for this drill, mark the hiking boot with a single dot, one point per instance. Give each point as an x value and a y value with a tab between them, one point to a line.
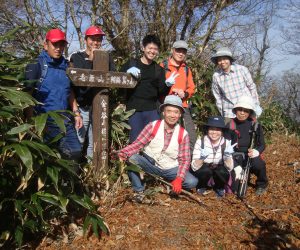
260	191
138	197
220	192
202	191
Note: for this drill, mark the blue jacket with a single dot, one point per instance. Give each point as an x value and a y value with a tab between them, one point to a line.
53	88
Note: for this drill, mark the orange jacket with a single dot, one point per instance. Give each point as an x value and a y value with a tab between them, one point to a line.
181	81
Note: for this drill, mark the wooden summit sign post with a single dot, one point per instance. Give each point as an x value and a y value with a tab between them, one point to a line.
100	76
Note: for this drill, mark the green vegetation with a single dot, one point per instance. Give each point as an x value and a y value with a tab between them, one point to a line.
38	189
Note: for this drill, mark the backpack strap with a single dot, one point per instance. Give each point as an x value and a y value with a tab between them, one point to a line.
202	142
223	146
166	65
180	135
44	69
254	126
186	69
155	129
232	124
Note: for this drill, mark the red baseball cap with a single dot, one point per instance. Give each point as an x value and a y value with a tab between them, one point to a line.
94	30
56	35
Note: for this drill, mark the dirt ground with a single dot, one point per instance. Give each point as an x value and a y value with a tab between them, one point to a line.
271	221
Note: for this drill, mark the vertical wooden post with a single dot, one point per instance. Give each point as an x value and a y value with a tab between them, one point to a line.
100	117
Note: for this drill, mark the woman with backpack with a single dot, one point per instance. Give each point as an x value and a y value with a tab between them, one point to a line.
243	127
212	157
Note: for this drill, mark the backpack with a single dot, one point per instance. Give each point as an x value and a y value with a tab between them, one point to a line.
156	127
186	69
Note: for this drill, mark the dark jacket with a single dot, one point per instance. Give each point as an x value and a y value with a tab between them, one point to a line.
150	86
85	95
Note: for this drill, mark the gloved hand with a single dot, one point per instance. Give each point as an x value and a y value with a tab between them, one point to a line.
177	185
204	153
252	153
238	172
229	150
134	71
171	79
258	111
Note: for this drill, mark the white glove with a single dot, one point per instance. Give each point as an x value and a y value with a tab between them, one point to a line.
238	172
255	153
258	111
134	71
171	79
229	150
204	153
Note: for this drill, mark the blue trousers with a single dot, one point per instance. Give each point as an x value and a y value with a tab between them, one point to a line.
68	145
86	131
139	120
168	174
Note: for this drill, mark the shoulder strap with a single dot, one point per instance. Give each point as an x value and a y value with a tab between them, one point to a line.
232	125
223	146
186	69
202	142
44	68
254	126
180	135
166	64
254	136
155	129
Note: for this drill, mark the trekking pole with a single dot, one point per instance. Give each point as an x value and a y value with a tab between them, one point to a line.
187	193
243	184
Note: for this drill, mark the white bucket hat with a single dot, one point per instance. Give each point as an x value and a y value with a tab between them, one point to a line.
245	102
223	51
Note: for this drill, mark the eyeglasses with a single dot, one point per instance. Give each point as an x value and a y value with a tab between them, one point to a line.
243	109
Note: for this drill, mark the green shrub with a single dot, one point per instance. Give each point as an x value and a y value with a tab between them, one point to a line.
39	191
275	119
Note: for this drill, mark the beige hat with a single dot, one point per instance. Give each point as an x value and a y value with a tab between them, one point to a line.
172	100
223	51
245	102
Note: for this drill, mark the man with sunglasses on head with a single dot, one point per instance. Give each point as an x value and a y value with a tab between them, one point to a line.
230	82
184	86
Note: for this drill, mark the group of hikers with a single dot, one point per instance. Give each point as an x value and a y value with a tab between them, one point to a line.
159	145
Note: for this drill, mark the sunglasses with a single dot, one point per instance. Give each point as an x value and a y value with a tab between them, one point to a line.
243	109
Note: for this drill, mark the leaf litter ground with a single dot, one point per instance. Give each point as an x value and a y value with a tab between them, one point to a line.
271	221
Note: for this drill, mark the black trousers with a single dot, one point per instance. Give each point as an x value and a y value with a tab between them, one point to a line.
220	175
258	168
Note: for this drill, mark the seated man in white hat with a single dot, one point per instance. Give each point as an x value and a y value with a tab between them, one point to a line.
230	82
244	127
162	149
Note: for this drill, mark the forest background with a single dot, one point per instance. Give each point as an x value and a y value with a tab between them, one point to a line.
263	35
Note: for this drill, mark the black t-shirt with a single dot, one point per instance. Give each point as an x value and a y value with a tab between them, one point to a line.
150	86
85	95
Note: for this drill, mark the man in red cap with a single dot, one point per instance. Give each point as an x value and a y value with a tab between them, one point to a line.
84	95
52	88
